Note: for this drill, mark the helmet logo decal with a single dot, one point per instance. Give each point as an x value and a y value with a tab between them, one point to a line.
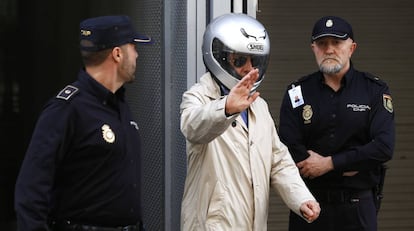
243	31
255	47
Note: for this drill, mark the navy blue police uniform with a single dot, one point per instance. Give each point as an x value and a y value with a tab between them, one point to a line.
83	163
354	125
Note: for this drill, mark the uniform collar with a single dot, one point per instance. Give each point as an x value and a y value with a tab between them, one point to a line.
97	89
346	79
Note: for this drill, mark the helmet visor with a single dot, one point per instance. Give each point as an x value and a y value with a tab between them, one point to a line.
238	64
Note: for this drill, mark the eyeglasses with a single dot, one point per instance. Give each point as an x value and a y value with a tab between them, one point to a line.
239	60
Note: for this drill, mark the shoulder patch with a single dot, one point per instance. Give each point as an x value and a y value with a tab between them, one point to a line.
387	102
67	92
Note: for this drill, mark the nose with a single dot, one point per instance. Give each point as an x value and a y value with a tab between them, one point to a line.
247	67
329	49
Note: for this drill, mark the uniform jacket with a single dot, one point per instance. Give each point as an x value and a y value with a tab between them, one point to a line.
83	161
231	168
354	125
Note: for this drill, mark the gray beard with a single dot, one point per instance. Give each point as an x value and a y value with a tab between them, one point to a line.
330	69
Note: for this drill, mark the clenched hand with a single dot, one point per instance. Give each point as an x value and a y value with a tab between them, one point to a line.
315	165
310	210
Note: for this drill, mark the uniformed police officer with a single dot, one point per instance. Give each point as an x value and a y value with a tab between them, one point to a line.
339	126
82	167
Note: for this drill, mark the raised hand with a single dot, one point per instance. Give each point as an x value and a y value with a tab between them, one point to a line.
240	97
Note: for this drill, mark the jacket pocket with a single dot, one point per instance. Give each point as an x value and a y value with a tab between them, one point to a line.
216	212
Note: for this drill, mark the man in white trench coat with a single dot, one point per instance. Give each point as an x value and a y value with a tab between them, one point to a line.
234	153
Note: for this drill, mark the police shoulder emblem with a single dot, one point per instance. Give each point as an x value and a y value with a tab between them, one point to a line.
108	134
387	100
67	92
307	114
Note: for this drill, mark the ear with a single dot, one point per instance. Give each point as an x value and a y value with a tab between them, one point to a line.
117	54
312	45
353	48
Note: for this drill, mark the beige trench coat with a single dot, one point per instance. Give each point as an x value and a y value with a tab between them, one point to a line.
231	167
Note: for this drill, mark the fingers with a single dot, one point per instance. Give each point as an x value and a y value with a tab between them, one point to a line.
310	210
307	212
315	165
254	74
249	79
246	84
308	173
240	96
300	164
254	96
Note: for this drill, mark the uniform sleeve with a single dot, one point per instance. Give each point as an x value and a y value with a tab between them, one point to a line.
33	190
285	178
382	132
290	131
203	119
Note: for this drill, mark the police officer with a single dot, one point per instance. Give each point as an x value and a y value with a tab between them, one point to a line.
82	168
339	126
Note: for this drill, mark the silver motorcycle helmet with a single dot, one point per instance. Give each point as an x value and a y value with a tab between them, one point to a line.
238	34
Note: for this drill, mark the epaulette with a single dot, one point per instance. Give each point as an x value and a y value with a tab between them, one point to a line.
301	79
374	78
67	92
